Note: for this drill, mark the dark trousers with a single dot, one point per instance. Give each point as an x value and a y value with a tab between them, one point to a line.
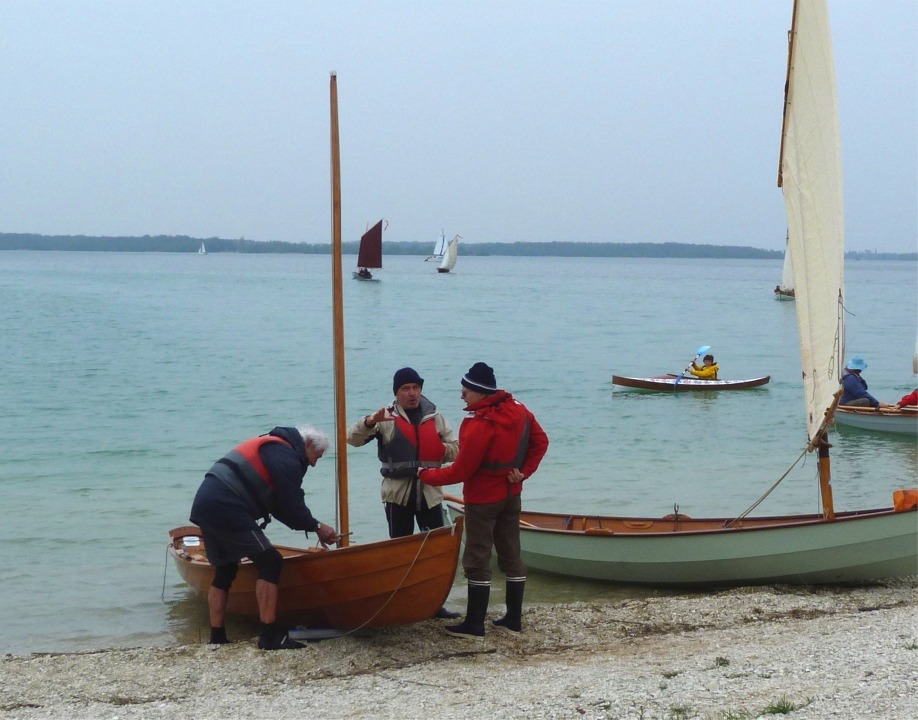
401	519
494	525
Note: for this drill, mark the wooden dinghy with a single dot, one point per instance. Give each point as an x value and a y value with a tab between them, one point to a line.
900	421
824	547
679	551
391	582
671	383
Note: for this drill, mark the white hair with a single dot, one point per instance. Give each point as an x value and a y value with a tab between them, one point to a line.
316	438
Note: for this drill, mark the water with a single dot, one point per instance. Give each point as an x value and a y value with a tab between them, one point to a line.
127	375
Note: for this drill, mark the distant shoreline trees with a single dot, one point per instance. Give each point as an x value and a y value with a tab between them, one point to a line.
186	244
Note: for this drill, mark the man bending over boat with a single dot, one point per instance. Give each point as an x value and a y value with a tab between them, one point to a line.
500	445
708	369
259	478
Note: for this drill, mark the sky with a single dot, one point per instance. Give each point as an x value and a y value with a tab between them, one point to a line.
567	120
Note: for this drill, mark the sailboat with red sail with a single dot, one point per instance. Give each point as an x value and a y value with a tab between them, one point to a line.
369	256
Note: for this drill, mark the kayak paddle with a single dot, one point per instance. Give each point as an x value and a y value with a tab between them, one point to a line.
698	353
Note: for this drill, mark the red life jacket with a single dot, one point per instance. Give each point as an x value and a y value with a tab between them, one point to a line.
411	447
244	472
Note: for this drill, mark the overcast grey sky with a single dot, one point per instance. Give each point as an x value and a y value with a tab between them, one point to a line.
605	120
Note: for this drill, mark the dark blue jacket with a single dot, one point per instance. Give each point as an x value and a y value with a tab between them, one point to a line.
221	504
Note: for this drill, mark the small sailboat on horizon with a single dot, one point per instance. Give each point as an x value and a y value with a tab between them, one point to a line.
785	291
369	256
202	250
450	255
439	248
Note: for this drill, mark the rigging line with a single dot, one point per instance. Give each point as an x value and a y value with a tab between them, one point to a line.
393	593
165	567
767	492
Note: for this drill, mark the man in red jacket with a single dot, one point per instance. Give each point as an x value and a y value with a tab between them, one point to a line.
500	445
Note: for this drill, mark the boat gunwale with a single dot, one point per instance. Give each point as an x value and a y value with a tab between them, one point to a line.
667	383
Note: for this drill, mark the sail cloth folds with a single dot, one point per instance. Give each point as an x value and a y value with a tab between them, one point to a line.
370	253
810	173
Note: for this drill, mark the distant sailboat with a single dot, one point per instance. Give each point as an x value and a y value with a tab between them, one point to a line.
202	250
369	257
785	291
449	257
439	248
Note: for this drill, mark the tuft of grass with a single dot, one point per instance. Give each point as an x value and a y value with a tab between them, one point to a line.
721	662
912	645
669	674
784	706
736	715
681	712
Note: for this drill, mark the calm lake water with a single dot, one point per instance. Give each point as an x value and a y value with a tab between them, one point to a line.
126	375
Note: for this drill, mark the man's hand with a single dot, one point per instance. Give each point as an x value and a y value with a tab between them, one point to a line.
383	413
515	476
327	534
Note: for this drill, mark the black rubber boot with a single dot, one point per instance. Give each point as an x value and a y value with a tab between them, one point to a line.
274	638
513	620
444	614
218	636
473	625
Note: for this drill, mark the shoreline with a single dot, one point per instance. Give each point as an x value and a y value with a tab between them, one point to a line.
827	652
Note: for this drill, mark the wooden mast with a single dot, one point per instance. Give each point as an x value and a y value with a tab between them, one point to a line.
338	320
788	91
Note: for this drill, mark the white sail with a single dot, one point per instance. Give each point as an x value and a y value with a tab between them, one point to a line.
787	273
439	248
450	255
810	173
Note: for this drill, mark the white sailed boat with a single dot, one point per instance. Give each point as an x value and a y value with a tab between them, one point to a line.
785	291
202	250
450	255
439	248
825	546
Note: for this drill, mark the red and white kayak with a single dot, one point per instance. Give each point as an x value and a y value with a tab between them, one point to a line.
671	383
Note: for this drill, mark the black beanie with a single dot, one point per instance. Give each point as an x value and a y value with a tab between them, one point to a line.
480	378
405	376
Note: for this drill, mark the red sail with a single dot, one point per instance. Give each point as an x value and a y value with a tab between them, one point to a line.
370	255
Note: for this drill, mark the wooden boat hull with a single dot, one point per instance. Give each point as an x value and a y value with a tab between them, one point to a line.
800	549
391	582
885	420
357	276
688	383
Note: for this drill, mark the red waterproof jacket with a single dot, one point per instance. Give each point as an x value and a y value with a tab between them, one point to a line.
499	434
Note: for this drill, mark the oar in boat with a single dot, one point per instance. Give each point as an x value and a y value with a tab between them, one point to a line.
698	353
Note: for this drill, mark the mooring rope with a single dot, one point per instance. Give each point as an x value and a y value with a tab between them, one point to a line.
767	492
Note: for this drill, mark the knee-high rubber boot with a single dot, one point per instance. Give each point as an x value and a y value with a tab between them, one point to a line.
473	625
513	620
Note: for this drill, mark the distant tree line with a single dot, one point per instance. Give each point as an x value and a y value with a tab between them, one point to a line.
186	244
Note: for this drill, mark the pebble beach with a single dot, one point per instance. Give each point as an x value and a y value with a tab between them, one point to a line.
803	653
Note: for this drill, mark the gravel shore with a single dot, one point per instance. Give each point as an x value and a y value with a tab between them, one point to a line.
749	653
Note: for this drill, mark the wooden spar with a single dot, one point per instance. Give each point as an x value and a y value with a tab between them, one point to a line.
338	318
825	476
821	444
788	91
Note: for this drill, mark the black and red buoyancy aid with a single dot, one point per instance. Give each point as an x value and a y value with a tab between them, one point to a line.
244	472
410	448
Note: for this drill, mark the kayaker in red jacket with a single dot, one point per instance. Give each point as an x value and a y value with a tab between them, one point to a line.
500	445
